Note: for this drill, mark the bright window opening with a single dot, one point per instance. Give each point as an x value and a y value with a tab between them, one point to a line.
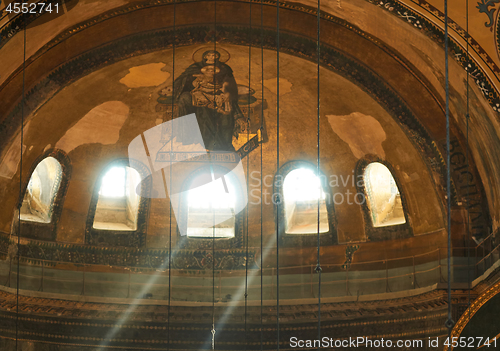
384	199
41	191
118	203
113	183
211	208
301	191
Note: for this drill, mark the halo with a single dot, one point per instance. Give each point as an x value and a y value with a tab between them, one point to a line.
224	55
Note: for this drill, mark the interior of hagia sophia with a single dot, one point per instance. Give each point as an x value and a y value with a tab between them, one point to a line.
220	175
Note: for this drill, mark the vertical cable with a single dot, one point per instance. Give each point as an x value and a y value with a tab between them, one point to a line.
261	154
170	180
449	323
23	102
318	265
278	197
213	274
248	170
467	200
213	178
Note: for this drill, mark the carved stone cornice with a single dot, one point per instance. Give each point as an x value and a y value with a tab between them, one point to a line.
147	310
145	326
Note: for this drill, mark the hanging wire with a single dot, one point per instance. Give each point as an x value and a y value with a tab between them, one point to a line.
248	170
261	154
278	198
170	180
213	279
23	102
318	264
213	232
467	199
449	322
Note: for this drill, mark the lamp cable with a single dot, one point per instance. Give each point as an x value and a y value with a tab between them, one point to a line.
213	331
278	197
170	180
23	102
318	264
467	201
248	170
261	155
449	322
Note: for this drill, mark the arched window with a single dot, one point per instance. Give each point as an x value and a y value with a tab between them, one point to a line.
383	197
118	202
211	206
301	191
43	186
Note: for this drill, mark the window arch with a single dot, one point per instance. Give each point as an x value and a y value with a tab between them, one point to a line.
299	188
383	196
211	208
41	192
301	191
118	201
43	195
118	213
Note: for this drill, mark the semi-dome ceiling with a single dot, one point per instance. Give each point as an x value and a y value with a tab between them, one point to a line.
100	75
410	63
94	119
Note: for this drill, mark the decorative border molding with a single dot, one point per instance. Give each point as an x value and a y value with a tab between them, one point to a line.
497	34
56	320
347	309
151	335
462	33
468	63
475	306
484	7
52	253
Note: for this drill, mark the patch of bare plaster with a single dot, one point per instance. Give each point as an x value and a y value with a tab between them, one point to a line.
272	85
180	147
149	75
101	125
410	177
10	160
362	133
